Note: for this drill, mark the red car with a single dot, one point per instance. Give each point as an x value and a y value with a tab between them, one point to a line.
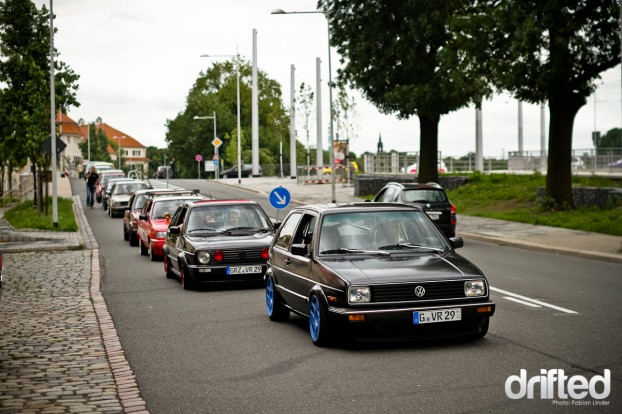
136	204
153	222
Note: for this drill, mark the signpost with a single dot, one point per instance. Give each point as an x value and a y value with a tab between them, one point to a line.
198	158
216	142
279	198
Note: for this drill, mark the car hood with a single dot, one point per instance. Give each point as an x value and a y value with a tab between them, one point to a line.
232	242
159	225
400	269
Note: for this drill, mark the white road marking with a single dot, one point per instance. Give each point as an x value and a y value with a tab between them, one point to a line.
534	301
522	302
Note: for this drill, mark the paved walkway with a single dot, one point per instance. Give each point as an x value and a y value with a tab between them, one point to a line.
59	349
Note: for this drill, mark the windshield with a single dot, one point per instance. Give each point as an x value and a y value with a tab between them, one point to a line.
243	218
379	231
129	188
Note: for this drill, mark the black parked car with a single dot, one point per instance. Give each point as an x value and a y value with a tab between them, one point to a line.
373	268
216	241
431	197
247	171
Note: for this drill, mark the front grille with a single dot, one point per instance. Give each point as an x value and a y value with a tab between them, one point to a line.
243	256
406	292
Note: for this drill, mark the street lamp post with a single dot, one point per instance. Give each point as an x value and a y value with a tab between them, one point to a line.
331	154
119	145
215	147
81	122
237	70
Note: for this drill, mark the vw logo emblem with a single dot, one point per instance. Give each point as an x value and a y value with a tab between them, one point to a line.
419	291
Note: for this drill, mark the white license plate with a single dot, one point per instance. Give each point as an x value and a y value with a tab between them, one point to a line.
434	316
237	270
434	216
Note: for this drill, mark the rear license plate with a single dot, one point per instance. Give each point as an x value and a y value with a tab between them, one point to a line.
433	215
237	270
434	316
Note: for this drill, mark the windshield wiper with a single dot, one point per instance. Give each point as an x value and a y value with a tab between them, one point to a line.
207	229
358	251
411	246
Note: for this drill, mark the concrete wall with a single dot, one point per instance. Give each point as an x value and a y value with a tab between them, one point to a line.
591	196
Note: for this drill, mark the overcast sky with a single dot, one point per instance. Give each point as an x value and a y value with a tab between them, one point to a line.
137	60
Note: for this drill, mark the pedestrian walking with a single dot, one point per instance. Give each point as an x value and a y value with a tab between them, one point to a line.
92	178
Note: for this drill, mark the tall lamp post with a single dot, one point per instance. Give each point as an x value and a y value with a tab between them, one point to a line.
81	122
331	154
237	71
215	147
119	145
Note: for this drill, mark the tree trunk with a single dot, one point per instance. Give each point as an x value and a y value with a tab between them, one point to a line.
559	174
427	170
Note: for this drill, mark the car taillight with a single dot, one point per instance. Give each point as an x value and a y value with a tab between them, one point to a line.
453	214
264	253
219	255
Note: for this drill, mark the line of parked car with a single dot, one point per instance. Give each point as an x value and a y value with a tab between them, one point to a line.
387	267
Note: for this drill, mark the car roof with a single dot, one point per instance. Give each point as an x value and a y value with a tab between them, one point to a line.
354	207
177	197
430	185
165	191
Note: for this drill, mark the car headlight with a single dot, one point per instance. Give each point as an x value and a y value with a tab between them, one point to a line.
475	288
203	257
359	294
160	235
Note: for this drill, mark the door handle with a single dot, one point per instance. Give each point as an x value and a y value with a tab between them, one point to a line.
287	261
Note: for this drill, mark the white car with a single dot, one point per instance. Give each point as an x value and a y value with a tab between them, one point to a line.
412	168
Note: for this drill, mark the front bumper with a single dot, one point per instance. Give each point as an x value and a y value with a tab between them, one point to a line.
218	273
400	320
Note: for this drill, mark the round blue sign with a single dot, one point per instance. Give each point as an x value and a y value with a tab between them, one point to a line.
280	198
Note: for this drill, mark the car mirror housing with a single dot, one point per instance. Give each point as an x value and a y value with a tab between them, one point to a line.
299	249
456	242
143	217
174	230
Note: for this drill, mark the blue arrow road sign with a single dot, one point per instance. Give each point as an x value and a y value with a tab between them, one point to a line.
279	198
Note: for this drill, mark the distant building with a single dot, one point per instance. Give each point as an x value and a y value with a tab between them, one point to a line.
133	153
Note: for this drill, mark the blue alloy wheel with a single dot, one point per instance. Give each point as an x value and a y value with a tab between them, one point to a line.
270	297
317	323
277	311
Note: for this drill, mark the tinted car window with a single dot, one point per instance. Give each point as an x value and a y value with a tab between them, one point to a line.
287	230
429	195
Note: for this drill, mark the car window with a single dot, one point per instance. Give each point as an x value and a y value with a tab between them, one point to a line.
387	195
139	201
305	231
429	195
379	230
287	230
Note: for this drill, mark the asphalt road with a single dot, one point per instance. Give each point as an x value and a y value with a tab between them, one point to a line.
216	351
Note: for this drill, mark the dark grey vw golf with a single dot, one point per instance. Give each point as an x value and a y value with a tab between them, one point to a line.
373	268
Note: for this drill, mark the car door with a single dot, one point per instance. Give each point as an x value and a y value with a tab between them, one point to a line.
143	223
291	284
173	241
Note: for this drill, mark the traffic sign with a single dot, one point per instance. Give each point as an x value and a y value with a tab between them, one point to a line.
216	142
279	198
198	158
216	162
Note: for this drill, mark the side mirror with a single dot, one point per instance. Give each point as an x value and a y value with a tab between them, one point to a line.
456	242
143	217
299	249
277	225
174	230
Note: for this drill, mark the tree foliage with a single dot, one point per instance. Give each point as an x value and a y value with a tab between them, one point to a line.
552	51
402	56
215	91
25	83
612	139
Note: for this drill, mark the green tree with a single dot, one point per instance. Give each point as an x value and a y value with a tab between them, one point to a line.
304	105
400	54
99	145
547	50
215	91
612	139
25	82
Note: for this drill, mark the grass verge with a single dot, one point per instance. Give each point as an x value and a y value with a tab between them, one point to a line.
26	216
513	197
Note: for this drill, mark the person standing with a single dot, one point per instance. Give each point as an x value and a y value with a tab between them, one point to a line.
92	178
173	168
